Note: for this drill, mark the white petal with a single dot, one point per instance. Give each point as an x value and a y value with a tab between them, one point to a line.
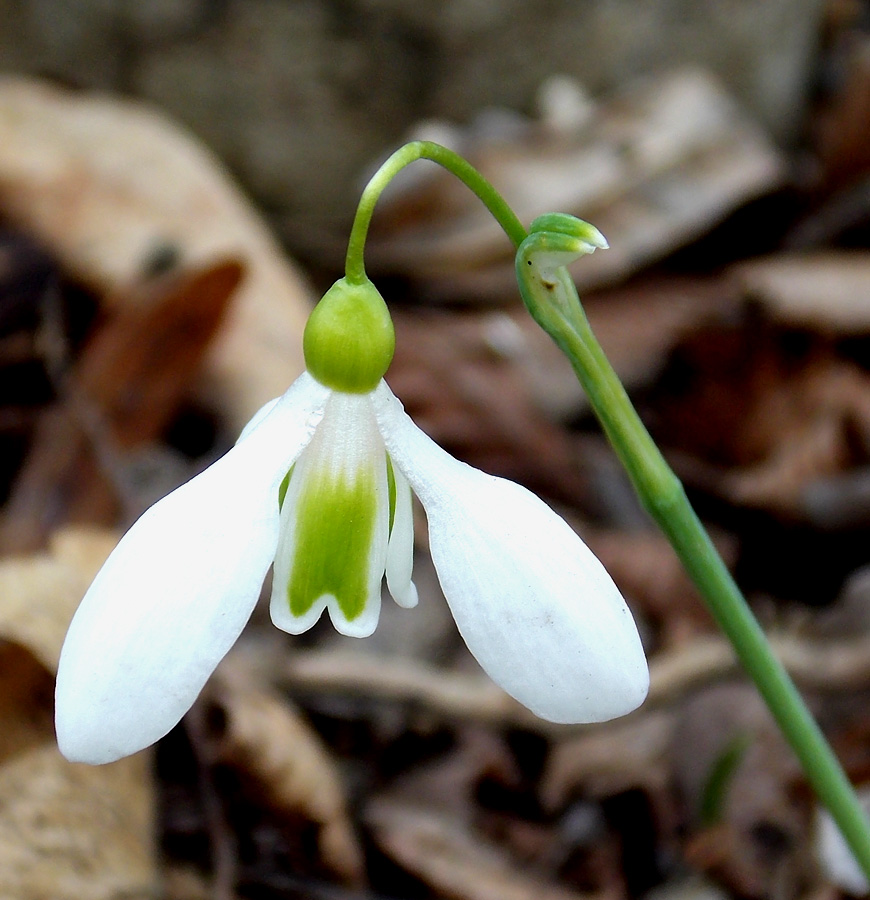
400	553
257	418
176	592
346	451
536	608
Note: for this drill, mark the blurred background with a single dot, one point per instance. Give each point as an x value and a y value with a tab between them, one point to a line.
177	183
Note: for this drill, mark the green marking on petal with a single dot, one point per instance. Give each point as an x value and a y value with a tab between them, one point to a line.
391	486
335	524
282	488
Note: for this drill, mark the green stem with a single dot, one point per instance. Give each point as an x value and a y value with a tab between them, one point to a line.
355	271
551	298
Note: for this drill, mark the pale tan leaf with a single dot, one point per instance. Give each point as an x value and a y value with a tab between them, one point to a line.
828	291
446	693
66	831
185	882
110	185
72	831
622	755
40	593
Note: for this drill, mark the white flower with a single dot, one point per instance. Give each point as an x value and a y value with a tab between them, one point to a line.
535	607
835	856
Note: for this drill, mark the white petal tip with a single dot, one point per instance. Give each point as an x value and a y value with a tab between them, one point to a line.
361	626
91	754
284	620
81	739
600	700
407	598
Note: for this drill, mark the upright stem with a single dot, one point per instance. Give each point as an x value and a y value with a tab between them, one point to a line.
551	297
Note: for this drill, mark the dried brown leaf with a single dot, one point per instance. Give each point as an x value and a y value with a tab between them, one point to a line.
185	882
70	831
627	754
753	422
674	672
449	694
123	391
40	593
449	783
38	596
66	831
827	291
267	739
638	325
815	426
137	368
452	859
26	708
109	184
453	376
841	126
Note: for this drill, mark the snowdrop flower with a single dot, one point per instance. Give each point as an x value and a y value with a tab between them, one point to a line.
320	483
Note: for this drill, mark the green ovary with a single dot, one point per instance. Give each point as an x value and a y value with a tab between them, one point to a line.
335	528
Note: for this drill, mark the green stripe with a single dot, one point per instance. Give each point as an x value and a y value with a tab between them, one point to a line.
391	488
335	528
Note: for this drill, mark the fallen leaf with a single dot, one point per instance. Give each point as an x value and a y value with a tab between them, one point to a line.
842	133
66	831
71	831
128	382
453	860
40	593
826	291
266	739
449	783
456	380
449	694
745	416
109	185
815	426
600	762
137	367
